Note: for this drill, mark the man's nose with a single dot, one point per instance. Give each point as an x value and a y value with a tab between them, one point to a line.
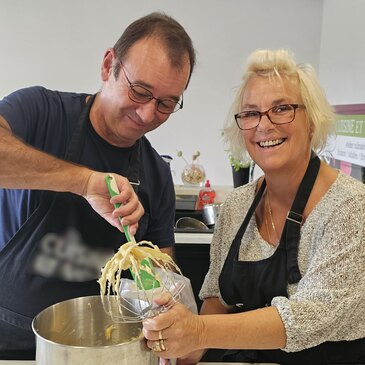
147	112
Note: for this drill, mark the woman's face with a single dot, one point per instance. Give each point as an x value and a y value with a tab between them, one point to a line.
276	147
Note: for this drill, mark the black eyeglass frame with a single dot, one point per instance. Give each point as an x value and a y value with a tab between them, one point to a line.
149	95
261	114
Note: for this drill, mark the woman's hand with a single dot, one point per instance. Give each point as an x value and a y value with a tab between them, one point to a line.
175	333
97	194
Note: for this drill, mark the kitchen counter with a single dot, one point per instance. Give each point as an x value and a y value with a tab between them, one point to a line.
194	238
19	362
221	191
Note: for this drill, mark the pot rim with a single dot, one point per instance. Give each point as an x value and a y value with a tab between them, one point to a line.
97	347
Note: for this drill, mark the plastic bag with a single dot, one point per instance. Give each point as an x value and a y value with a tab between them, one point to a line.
178	286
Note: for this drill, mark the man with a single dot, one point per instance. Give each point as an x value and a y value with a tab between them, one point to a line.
58	225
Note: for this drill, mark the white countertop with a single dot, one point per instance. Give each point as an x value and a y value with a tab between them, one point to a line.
194	238
16	362
19	362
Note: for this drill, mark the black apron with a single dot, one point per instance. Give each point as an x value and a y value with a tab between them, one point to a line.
56	255
249	285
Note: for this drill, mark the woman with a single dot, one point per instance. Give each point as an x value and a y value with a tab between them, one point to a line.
285	283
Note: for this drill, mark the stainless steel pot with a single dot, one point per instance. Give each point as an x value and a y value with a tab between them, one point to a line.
79	332
210	213
189	223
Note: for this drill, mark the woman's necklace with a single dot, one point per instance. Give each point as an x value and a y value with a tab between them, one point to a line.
267	203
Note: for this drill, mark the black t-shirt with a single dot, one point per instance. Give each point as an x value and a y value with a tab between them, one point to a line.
46	119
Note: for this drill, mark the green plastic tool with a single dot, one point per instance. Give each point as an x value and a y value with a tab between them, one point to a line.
147	281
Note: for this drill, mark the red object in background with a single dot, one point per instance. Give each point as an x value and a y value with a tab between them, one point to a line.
206	195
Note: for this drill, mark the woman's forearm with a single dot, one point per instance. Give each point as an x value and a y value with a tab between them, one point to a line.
258	329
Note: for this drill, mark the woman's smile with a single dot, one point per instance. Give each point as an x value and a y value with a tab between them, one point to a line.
271	143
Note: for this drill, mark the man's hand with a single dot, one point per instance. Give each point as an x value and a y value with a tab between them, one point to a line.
97	194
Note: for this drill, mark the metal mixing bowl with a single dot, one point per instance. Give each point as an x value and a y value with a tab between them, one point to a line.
79	332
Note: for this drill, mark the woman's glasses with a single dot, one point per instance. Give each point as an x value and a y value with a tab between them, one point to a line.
278	114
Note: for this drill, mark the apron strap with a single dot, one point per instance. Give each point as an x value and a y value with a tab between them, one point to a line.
74	147
291	232
237	241
77	141
294	219
134	167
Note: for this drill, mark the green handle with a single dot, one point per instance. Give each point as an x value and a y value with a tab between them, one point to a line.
147	280
113	190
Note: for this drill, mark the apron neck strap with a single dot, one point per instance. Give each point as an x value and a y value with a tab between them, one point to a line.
77	141
134	167
304	190
237	240
291	232
290	237
75	147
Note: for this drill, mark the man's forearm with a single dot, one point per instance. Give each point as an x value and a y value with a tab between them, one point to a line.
24	167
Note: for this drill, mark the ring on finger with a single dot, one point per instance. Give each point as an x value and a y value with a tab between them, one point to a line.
157	346
162	344
160	335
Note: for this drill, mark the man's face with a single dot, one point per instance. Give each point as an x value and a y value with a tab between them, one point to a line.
117	118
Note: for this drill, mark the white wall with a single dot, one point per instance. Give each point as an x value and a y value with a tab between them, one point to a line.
342	55
60	44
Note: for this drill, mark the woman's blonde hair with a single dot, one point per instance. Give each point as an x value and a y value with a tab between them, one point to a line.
281	64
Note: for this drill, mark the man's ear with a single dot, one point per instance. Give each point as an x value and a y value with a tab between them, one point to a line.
107	64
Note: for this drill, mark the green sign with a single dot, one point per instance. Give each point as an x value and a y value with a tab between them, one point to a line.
351	125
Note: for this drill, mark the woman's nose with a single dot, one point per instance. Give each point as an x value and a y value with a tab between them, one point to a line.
265	124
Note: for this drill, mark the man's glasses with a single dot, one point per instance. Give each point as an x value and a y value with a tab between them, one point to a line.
141	95
278	114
